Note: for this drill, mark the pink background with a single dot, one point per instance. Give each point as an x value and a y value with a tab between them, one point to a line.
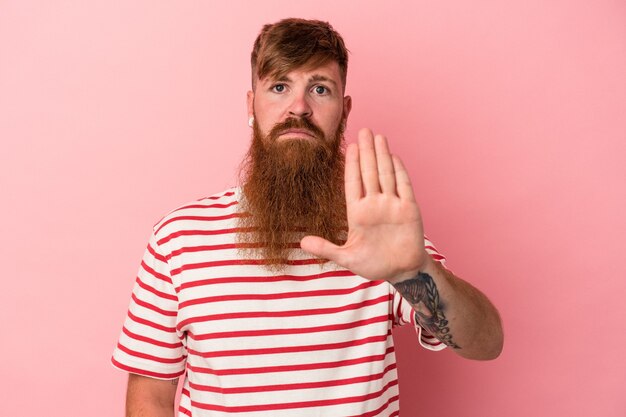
511	117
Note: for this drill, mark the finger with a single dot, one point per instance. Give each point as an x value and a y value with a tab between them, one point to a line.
403	181
386	174
367	158
322	248
352	177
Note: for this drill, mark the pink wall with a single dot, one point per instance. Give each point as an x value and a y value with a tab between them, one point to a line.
511	116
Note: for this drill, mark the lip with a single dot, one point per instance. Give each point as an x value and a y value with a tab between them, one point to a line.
297	134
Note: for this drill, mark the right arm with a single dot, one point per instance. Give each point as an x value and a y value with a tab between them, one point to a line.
150	397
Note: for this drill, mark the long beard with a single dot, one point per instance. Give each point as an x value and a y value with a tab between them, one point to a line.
291	188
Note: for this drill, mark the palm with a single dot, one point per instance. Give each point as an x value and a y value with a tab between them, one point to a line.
385	234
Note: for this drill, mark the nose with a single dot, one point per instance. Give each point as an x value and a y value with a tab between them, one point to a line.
300	106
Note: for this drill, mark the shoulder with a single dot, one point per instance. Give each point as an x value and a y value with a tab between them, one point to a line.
214	206
433	252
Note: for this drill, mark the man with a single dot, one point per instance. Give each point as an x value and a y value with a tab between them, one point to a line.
278	297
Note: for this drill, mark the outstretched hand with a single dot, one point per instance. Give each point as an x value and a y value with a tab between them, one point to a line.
385	233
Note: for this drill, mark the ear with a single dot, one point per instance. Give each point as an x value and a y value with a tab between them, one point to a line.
250	100
347	106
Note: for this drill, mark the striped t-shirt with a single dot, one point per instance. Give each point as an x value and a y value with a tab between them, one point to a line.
312	341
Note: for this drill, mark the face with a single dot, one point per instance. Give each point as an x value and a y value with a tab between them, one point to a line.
315	95
296	148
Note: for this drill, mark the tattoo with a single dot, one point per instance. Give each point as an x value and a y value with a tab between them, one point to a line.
175	381
421	292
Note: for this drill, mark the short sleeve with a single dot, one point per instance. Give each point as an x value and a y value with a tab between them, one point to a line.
403	313
149	344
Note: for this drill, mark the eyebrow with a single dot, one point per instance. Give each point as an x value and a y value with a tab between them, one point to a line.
313	78
318	77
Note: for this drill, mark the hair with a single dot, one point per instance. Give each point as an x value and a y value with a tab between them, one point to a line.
297	43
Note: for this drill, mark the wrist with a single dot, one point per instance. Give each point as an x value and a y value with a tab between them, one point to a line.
424	266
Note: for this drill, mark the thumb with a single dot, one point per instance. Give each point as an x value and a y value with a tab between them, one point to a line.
321	248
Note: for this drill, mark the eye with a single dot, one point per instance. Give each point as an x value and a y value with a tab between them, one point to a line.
321	90
279	88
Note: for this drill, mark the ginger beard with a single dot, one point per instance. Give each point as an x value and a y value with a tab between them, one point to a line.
292	188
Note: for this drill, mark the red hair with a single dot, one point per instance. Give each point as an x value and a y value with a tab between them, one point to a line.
297	43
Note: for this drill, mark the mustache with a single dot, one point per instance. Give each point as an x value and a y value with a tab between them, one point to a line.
295	123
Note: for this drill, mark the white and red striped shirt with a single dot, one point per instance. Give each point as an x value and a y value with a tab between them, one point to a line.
313	341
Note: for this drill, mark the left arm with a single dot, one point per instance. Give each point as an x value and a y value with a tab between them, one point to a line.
453	311
386	241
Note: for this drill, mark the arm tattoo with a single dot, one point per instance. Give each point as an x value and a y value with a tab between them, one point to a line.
422	293
175	381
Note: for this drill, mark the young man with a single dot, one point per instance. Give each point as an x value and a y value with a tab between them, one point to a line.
278	297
